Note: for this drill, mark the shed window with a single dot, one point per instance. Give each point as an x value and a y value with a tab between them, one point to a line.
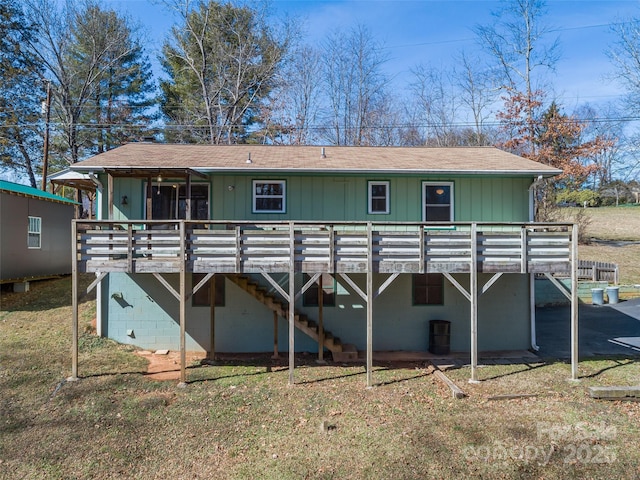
202	298
437	199
34	235
378	197
428	289
269	196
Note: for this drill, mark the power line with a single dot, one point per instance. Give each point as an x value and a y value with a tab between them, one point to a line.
455	124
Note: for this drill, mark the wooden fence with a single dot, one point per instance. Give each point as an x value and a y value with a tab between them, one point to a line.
598	271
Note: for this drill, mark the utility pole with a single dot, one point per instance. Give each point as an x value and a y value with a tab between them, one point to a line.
45	153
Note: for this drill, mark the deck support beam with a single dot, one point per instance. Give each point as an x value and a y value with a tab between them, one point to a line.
473	287
472	296
183	312
275	335
212	315
292	296
74	303
320	320
574	302
369	305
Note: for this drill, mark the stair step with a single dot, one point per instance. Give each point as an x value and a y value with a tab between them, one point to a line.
340	352
348	353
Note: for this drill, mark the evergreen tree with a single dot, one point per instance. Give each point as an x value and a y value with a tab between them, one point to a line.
20	95
118	110
222	62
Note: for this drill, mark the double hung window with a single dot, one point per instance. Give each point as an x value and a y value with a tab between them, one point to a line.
378	197
269	196
437	201
34	235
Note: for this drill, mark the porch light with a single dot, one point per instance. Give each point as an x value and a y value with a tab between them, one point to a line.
124	201
159	178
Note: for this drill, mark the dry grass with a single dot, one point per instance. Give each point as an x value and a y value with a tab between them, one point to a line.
242	420
612	231
614	223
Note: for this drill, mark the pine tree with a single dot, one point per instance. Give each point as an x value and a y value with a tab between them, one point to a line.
20	96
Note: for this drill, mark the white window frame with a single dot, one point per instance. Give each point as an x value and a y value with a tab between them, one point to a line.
34	230
424	198
371	184
255	197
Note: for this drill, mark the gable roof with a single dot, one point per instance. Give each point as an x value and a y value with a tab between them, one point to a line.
26	191
141	157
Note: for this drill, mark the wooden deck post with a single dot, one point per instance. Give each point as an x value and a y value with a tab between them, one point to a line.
292	299
212	318
320	321
275	335
74	302
150	199
183	310
473	291
369	305
110	197
187	201
574	302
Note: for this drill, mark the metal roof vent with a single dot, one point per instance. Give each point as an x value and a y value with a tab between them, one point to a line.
249	158
322	154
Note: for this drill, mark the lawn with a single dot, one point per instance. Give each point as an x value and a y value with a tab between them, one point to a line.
614	234
241	420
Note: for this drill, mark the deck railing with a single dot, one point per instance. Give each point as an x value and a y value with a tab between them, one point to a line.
347	247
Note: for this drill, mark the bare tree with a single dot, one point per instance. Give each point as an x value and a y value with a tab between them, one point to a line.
518	44
625	56
291	112
477	91
222	61
355	86
612	162
436	100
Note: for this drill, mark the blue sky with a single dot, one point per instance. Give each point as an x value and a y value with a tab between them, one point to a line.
433	31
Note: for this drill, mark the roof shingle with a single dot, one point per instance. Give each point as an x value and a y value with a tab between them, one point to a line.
203	158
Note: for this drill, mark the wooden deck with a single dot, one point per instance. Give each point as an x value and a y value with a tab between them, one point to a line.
350	247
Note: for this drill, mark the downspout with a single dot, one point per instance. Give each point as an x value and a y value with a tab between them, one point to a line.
532	276
99	189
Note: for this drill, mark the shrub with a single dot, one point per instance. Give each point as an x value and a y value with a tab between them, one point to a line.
578	198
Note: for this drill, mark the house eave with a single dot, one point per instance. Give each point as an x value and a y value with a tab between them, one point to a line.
203	171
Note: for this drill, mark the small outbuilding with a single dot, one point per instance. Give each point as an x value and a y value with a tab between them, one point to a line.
35	233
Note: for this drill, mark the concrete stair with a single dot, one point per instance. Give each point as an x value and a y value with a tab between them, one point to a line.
340	352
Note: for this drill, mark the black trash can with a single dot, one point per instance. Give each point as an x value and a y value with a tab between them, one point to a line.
439	337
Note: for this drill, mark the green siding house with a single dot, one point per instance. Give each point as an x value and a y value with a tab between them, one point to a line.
206	247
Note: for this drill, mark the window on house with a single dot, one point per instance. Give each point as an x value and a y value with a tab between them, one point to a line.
202	298
169	201
34	234
437	199
378	197
428	289
269	196
310	297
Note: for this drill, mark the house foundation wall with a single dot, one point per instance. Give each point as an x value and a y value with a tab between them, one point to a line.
142	312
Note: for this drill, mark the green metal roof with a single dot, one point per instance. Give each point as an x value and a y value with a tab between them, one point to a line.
24	190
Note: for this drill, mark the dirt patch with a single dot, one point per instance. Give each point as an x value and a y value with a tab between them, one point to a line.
167	366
